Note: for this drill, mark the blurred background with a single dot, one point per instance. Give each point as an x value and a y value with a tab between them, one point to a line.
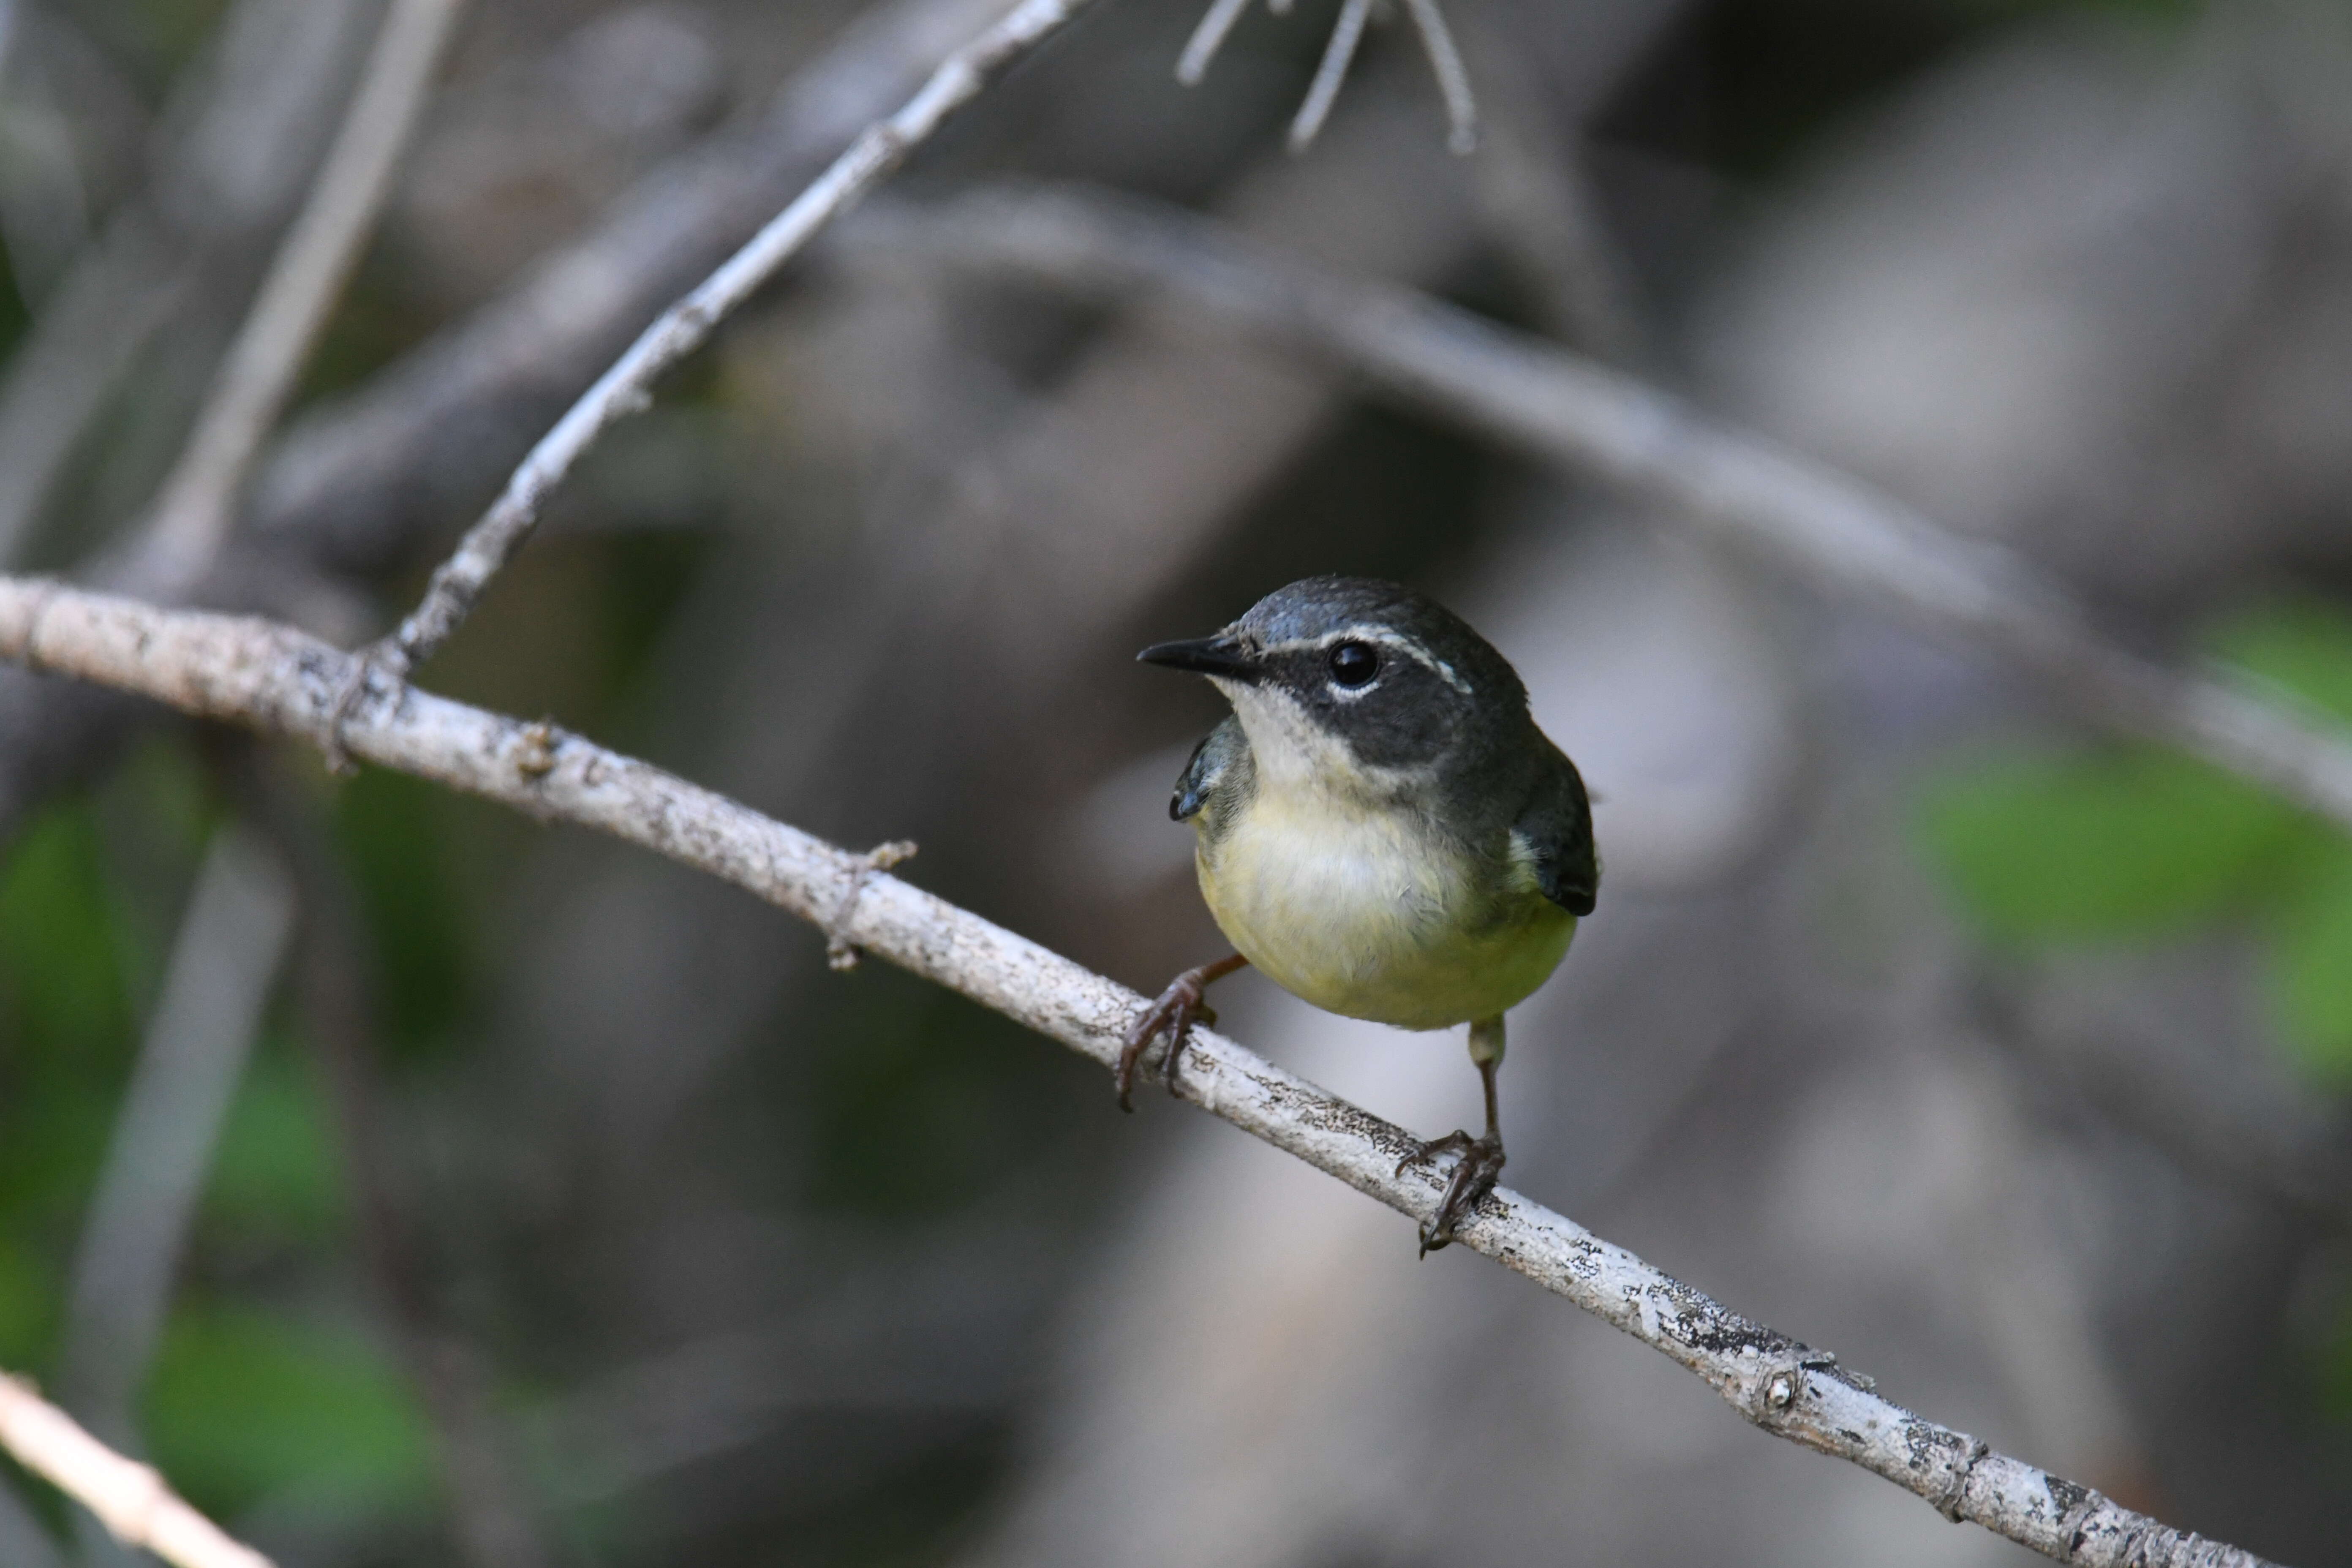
417	1183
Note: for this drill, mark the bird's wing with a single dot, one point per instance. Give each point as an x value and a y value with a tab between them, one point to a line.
1555	833
1208	763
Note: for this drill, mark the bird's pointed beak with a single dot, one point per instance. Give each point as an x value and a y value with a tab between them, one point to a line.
1223	657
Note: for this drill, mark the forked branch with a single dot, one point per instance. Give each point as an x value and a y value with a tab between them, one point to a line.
272	677
627	387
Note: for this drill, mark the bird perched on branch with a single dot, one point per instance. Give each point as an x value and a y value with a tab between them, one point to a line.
1381	829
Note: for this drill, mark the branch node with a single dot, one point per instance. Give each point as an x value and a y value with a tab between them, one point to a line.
1780	1382
385	656
535	749
840	953
131	1499
45	595
1948	1505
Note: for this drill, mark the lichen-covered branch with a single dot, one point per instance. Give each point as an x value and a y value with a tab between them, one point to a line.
270	677
1803	516
129	1498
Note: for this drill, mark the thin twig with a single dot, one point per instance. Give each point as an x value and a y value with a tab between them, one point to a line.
1331	75
627	387
274	677
1207	39
198	498
128	1497
368	479
1452	76
1803	516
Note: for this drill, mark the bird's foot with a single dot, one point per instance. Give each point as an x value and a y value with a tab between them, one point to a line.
1181	1006
1477	1165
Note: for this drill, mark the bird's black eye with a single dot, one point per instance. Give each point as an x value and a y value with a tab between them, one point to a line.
1354	663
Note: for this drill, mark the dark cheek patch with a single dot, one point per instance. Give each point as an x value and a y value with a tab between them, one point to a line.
1406	719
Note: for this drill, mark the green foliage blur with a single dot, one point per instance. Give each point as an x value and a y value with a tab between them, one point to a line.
2132	845
283	1399
2135	843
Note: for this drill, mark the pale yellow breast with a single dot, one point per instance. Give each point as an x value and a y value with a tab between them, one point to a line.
1353	909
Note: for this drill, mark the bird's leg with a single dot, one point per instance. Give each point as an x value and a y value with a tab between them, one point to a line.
1180	1007
1478	1162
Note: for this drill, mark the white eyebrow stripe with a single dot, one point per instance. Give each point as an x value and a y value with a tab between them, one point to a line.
1386	638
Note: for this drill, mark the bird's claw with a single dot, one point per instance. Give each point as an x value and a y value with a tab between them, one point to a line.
1477	1165
1180	1007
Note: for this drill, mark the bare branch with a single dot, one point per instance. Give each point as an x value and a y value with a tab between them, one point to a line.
1331	75
627	387
353	488
130	1497
361	482
198	498
1804	517
274	677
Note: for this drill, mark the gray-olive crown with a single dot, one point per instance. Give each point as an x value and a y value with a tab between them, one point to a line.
1403	680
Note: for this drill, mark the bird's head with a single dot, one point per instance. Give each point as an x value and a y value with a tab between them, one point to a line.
1354	678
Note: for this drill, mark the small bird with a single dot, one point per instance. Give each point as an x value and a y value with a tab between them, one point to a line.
1380	828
